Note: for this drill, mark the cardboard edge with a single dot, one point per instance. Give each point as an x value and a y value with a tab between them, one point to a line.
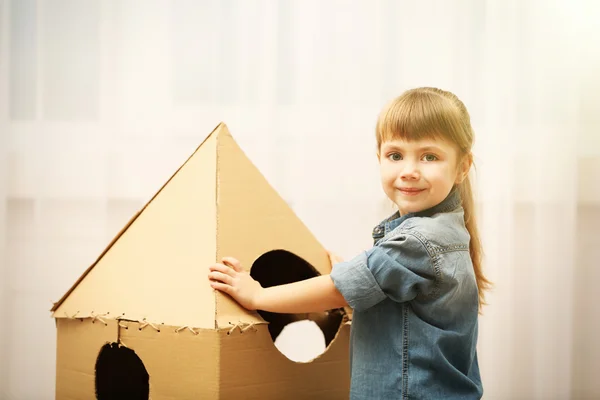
307	229
217	230
146	339
254	317
56	305
344	329
122	322
90	340
326	268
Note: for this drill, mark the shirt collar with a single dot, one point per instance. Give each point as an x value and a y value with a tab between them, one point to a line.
450	203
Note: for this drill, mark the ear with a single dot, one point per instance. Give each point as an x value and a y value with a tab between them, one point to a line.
463	168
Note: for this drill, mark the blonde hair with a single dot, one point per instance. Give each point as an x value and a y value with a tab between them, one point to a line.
434	113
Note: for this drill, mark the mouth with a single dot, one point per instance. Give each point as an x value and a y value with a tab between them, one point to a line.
410	191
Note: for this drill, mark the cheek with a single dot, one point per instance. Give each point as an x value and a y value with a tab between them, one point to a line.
387	175
441	176
443	171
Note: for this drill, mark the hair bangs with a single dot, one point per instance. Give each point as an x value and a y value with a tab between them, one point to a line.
417	116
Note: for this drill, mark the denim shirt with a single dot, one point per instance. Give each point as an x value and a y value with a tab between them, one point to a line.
415	309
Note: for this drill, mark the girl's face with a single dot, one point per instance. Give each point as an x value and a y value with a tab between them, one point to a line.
417	175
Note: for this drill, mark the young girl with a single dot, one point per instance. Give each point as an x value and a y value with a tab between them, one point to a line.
416	294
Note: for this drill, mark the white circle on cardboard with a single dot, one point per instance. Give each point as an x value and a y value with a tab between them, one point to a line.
301	341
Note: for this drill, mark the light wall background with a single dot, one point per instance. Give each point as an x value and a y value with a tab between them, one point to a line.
100	100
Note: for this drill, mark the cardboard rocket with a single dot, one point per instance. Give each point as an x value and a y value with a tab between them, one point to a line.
143	322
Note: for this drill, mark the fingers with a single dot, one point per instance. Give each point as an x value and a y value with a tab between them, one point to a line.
221	286
222	268
220	277
234	263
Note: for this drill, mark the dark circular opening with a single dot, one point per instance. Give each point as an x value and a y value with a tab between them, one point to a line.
120	374
279	267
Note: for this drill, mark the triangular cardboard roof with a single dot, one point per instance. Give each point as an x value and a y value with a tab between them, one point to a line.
216	204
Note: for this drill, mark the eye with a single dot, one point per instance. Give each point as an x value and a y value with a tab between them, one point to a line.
429	157
395	157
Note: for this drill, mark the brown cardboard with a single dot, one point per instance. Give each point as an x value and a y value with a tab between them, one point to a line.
157	268
252	368
78	343
150	287
255	224
181	364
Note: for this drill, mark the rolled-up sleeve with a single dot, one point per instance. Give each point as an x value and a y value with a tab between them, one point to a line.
399	268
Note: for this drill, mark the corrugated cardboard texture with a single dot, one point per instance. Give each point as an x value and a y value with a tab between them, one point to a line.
252	220
182	365
253	368
157	268
78	344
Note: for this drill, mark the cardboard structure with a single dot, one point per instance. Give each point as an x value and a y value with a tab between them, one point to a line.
143	322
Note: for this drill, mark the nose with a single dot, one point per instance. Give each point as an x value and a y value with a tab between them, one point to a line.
410	171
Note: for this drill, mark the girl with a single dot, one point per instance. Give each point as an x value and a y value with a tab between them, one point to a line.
416	294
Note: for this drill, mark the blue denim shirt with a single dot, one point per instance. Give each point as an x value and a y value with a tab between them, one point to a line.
415	309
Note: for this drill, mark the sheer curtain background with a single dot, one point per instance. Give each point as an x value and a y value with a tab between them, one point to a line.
101	100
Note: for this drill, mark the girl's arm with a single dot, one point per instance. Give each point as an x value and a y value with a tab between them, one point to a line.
310	295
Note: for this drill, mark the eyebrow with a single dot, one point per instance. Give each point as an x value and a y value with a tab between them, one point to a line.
435	149
432	148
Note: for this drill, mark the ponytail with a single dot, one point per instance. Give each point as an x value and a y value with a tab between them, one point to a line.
475	246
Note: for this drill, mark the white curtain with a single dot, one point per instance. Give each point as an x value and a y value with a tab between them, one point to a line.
101	100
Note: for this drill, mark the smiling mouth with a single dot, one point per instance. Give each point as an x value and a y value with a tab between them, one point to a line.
410	191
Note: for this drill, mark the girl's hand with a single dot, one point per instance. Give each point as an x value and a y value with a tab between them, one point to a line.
235	282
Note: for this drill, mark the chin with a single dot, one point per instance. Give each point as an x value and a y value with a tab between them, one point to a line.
409	209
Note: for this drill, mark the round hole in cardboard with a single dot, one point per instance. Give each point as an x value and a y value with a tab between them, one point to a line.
120	374
300	341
